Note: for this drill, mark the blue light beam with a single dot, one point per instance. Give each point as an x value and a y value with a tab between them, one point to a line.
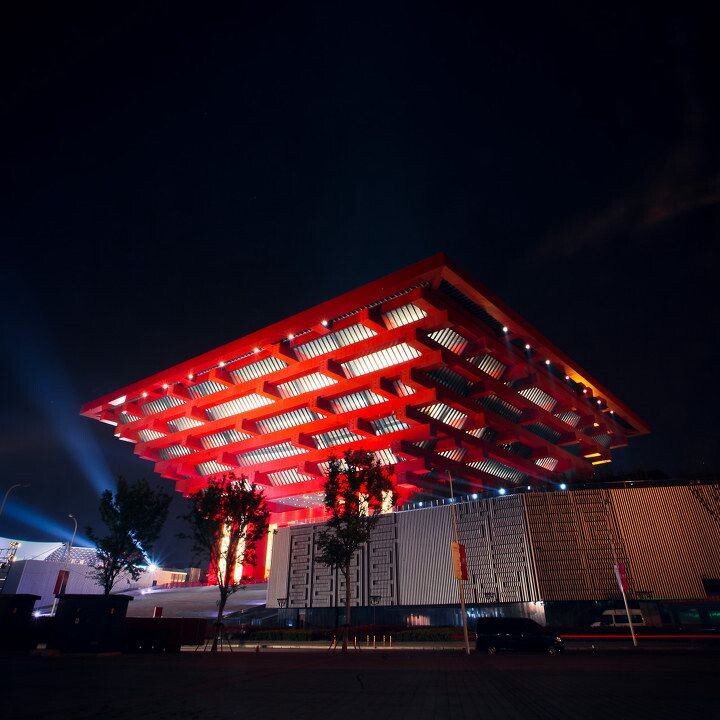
53	530
48	388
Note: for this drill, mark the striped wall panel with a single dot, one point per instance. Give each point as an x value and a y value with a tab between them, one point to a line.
672	541
549	546
423	570
278	580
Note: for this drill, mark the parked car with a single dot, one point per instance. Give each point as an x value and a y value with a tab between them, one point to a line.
619	618
495	634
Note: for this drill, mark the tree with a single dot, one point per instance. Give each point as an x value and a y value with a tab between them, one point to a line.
357	488
227	518
134	516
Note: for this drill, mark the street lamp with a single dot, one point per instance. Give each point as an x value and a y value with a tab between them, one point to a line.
8	491
460	581
72	540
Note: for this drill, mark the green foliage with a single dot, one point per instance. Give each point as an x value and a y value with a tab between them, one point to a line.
356	488
227	518
134	517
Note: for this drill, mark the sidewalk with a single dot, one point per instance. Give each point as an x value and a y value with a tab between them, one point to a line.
398	685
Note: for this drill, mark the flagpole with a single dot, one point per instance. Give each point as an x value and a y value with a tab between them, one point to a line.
461	586
616	570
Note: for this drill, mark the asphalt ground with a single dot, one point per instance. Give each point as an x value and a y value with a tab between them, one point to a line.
363	684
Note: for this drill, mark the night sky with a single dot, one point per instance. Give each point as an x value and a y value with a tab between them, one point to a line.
172	179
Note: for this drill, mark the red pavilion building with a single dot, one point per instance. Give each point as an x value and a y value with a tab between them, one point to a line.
424	367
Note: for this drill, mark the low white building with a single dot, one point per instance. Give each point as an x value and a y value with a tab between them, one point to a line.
34	568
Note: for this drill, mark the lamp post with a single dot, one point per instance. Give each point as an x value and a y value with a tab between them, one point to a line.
8	491
460	581
72	540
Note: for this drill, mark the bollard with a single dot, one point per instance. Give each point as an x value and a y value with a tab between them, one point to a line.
383	641
391	641
367	640
355	642
374	643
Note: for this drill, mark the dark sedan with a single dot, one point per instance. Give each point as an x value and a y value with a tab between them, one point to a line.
495	634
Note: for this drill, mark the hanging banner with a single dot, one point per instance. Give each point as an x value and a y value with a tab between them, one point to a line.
621	576
61	582
459	561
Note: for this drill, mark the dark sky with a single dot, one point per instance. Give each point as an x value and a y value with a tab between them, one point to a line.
173	177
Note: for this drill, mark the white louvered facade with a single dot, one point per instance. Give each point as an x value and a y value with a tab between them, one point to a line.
404	315
333	341
238	406
379	360
305	384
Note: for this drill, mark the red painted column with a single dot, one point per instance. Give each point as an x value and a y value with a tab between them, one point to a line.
258	571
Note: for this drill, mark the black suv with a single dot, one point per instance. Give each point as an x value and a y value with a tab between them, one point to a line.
495	634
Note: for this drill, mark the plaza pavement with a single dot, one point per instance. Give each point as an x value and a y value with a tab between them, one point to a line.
377	684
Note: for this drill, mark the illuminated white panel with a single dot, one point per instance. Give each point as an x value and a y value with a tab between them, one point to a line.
124	417
306	383
223	438
569	418
445	414
286	477
456	454
336	437
378	360
356	401
212	467
163	403
148	435
333	341
208	387
287	420
549	463
492	467
450	339
386	457
540	398
480	433
238	406
119	401
174	451
270	453
402	389
489	365
404	315
183	423
388	424
257	369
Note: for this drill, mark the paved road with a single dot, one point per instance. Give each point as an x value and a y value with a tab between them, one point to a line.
378	685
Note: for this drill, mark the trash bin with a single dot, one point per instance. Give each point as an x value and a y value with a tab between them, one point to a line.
90	623
16	632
